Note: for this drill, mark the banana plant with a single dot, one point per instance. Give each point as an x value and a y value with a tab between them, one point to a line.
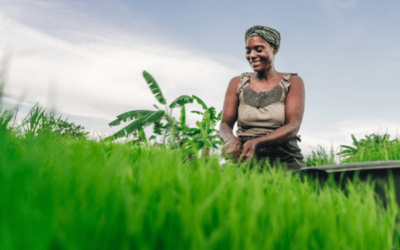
142	118
204	136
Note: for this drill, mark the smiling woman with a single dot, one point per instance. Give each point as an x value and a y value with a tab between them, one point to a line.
267	105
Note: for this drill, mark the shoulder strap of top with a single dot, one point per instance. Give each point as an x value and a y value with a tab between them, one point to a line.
286	81
244	79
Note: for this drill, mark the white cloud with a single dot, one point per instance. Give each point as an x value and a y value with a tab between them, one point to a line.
103	79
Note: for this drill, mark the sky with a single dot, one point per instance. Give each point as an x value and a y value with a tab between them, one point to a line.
85	58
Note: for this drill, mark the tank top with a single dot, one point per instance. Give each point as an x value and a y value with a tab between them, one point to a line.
260	113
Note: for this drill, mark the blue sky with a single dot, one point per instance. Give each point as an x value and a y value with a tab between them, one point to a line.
93	53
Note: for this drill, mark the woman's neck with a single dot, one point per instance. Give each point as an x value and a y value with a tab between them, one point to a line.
266	74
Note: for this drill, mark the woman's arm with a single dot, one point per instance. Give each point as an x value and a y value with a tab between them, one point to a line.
294	110
229	117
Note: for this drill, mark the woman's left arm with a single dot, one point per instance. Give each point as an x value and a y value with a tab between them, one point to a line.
294	110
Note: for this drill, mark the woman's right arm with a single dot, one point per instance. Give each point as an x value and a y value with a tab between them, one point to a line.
229	117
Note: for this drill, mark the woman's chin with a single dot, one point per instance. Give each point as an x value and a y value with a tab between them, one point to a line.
260	67
257	68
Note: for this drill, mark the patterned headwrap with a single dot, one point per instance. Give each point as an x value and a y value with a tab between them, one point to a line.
268	34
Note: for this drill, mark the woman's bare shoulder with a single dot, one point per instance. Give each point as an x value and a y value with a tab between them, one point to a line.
233	84
297	80
235	81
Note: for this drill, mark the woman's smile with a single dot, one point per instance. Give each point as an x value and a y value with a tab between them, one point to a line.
255	63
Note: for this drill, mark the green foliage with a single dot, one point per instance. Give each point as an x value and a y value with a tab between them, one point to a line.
82	194
319	157
157	128
182	118
64	128
204	136
374	148
181	101
128	116
199	101
8	116
175	133
39	122
144	118
372	144
155	89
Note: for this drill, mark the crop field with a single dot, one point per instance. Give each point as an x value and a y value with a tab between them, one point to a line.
75	193
60	189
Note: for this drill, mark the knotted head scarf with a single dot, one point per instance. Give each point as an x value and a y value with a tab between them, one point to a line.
268	34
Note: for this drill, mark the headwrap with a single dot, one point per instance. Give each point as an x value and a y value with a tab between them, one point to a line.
268	34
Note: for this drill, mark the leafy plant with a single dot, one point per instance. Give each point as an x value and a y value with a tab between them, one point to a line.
319	157
371	142
7	120
142	118
39	122
204	136
175	133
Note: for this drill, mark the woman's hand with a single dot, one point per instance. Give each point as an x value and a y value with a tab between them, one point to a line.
249	148
233	147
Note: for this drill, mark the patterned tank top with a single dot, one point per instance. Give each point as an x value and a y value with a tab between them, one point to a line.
260	113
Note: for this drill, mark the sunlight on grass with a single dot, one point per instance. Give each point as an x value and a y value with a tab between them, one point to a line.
74	193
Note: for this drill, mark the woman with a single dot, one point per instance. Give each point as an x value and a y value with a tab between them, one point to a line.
267	105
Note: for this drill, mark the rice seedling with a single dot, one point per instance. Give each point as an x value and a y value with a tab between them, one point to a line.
319	156
73	193
372	148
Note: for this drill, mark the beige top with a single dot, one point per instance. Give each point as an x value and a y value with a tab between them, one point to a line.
260	113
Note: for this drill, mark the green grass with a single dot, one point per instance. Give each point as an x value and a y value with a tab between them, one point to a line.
71	193
319	157
385	151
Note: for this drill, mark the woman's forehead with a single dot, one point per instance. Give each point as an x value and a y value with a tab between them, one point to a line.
256	41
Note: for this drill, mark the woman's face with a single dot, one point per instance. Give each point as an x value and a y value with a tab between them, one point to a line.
259	53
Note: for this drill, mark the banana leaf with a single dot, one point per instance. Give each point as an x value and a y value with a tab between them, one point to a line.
199	101
135	125
192	131
181	101
156	116
155	89
182	118
128	116
219	116
210	115
206	116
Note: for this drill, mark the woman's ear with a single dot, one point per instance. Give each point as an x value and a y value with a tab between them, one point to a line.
276	49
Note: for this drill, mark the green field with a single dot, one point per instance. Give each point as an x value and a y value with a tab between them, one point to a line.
74	193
